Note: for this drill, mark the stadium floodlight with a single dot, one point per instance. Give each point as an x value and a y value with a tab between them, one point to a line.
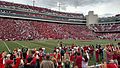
33	2
59	5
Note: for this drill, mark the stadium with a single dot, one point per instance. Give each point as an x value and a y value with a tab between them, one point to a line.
36	28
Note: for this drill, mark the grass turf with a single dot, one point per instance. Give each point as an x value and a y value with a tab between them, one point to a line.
50	44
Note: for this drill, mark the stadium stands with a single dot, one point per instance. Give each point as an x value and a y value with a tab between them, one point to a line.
63	30
12	29
106	27
107	31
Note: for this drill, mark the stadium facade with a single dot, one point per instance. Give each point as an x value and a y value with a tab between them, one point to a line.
23	22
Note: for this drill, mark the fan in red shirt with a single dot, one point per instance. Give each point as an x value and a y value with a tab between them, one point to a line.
58	56
2	65
41	54
17	63
78	60
97	55
112	64
1	62
59	65
71	57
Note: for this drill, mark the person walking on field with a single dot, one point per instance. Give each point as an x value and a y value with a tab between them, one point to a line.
78	60
47	63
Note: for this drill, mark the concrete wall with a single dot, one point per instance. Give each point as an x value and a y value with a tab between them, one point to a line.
91	18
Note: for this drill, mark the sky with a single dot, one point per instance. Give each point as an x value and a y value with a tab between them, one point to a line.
103	8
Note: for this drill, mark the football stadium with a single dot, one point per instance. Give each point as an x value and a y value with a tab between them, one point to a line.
37	37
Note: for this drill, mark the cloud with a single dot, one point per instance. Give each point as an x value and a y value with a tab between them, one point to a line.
64	4
74	3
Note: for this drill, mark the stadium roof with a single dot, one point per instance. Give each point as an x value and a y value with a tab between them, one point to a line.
101	7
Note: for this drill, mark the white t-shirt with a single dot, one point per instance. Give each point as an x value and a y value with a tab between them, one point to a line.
85	64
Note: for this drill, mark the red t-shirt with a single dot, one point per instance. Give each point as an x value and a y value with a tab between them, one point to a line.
60	66
58	56
1	63
41	55
115	56
17	63
54	55
112	65
33	61
72	58
79	61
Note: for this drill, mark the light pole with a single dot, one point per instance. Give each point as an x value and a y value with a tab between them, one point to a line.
33	2
59	5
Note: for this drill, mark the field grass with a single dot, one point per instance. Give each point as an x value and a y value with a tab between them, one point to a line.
50	44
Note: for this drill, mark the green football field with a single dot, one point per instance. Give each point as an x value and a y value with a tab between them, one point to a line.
49	44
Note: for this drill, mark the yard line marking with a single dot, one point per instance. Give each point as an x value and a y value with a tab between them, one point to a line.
42	46
19	44
6	46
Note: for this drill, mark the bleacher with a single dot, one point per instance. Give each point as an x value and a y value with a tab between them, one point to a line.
12	29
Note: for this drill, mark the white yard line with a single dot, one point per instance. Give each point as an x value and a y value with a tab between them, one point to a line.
19	44
30	44
43	46
6	46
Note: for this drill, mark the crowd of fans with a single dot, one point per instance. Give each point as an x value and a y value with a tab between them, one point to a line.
62	57
106	27
63	31
106	31
108	36
11	29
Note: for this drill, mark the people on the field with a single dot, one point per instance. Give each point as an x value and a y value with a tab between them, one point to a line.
78	60
85	60
47	63
62	56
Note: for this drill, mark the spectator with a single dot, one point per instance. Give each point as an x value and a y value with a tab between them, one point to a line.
78	60
111	64
85	60
47	63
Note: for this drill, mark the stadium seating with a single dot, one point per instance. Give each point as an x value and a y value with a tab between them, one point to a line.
108	35
60	31
106	27
106	31
11	29
16	30
22	30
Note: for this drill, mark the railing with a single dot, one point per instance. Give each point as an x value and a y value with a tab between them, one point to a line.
18	16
